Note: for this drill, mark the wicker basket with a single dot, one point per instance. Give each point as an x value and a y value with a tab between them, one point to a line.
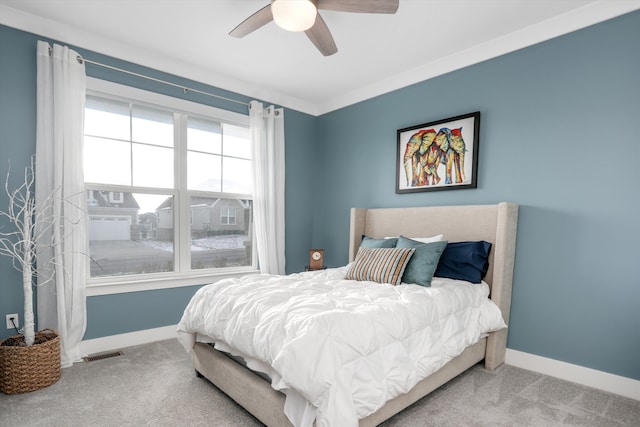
24	369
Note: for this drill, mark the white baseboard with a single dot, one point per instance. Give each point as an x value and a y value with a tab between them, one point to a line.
611	383
116	342
578	374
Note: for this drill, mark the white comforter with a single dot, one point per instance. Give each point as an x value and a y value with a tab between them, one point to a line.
347	347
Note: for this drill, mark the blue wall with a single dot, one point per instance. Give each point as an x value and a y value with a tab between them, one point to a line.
558	135
17	144
115	314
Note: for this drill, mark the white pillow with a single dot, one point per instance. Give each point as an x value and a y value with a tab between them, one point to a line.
437	238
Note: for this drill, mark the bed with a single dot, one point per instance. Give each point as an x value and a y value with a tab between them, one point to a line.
496	224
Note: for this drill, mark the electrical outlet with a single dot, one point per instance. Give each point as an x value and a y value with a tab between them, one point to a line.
15	319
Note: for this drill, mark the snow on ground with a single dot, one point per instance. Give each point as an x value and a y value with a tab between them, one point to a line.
232	241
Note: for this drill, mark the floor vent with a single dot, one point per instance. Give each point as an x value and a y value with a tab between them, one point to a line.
100	356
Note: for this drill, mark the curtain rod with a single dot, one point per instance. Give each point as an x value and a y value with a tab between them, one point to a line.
184	88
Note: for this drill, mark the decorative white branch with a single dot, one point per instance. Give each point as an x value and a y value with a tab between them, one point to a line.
30	221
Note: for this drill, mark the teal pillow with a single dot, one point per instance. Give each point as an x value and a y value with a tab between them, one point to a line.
368	242
424	261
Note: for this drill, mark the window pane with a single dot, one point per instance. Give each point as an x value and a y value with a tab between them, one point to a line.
220	232
236	177
204	135
237	142
203	171
129	233
107	161
103	117
152	166
152	126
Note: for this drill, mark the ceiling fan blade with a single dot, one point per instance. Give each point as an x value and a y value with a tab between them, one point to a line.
252	23
321	37
360	6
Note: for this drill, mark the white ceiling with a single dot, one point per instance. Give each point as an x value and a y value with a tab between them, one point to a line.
376	53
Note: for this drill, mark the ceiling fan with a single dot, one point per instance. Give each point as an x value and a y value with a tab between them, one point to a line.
302	15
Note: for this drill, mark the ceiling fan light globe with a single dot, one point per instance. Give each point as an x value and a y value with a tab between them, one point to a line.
294	15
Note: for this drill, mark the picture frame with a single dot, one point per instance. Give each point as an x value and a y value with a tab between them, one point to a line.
438	155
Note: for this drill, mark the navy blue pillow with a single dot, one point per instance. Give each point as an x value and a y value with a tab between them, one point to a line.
368	242
467	261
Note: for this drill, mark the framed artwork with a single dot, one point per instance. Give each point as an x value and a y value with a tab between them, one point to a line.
440	155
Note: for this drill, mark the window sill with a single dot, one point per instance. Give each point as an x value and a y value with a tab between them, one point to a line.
122	285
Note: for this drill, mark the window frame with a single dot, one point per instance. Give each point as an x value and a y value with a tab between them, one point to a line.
182	274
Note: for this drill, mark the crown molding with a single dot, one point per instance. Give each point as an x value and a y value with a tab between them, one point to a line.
86	40
566	23
576	19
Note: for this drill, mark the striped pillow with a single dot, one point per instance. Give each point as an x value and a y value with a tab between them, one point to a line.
382	265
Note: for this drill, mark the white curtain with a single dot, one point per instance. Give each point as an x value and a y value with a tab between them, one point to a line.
267	143
62	253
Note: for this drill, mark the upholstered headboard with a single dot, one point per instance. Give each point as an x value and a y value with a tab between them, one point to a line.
493	223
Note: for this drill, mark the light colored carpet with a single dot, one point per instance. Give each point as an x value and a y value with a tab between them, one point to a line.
154	384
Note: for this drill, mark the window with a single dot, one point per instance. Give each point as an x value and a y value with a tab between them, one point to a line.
91	201
228	216
116	197
168	187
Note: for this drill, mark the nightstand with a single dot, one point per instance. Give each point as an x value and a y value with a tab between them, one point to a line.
308	268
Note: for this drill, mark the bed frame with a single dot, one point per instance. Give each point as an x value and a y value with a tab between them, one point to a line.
493	223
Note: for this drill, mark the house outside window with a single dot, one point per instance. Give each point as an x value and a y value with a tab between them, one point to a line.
169	189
